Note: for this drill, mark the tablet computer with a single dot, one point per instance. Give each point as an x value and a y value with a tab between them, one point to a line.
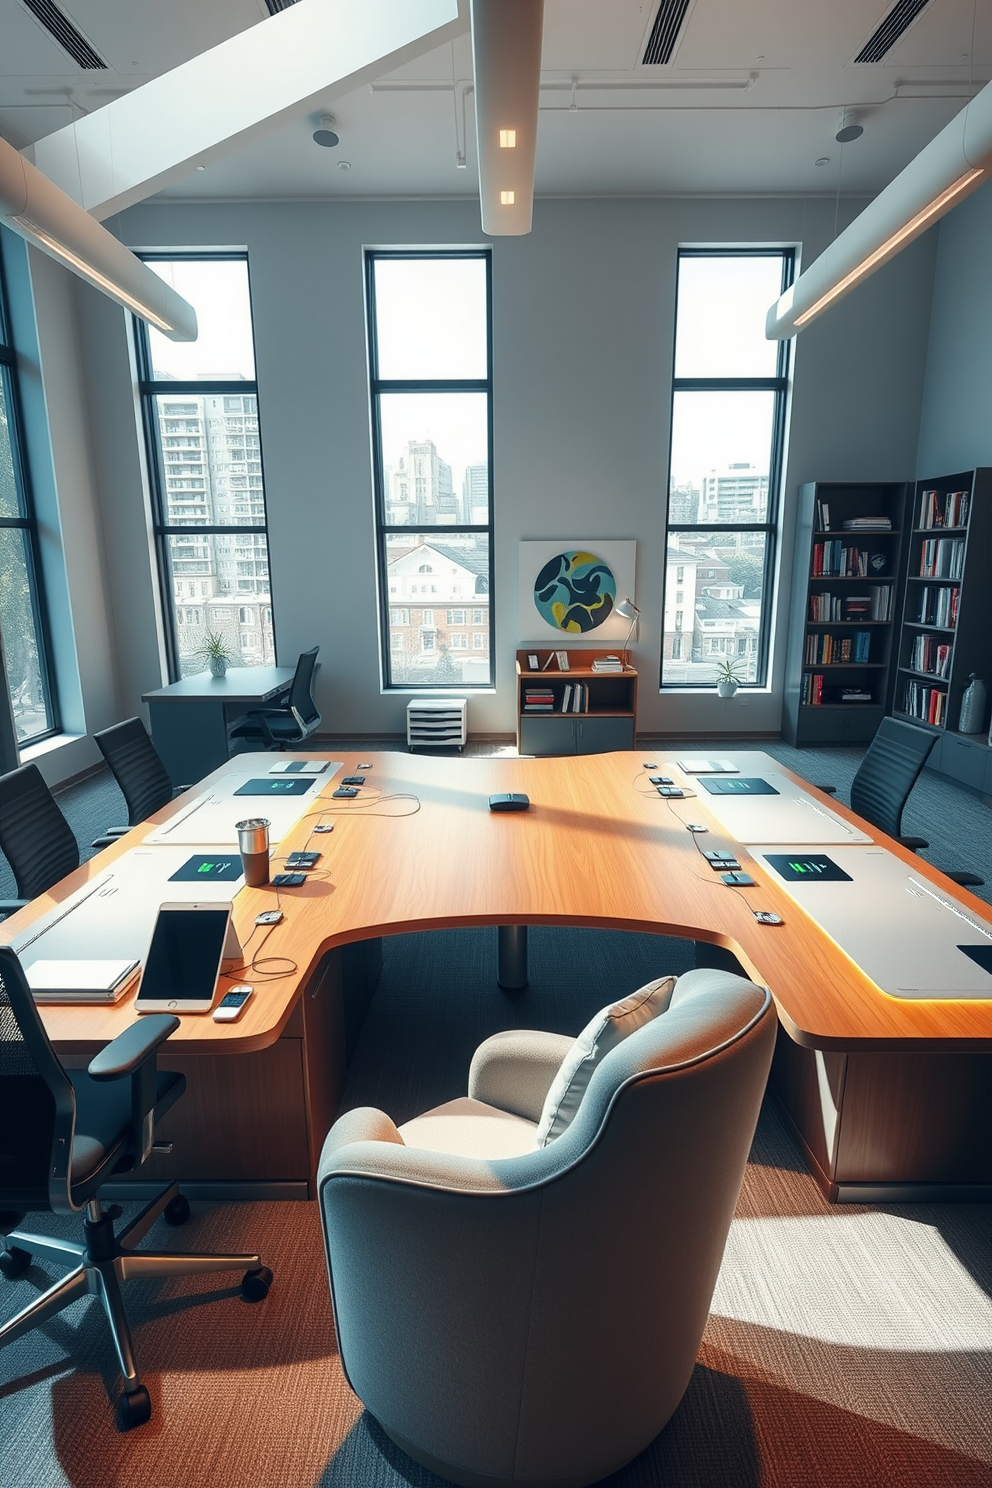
184	959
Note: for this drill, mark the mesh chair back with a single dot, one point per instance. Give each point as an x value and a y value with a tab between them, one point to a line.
35	837
137	768
37	1107
888	773
301	692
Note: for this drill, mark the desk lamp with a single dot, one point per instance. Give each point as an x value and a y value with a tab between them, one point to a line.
627	610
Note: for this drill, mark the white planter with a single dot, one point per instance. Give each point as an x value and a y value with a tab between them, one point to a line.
726	689
218	666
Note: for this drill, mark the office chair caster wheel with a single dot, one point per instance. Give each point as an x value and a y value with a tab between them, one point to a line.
177	1212
133	1409
14	1261
255	1284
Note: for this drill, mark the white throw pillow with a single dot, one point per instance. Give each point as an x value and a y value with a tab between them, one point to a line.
607	1029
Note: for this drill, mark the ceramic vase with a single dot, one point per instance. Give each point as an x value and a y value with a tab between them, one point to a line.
218	666
726	689
972	719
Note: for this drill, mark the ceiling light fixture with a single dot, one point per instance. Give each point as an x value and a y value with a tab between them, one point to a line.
506	54
947	170
325	133
848	128
35	208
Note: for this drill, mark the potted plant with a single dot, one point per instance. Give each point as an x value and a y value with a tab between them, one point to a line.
217	652
728	678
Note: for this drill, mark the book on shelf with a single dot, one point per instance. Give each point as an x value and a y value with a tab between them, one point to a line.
538	700
834	560
566	696
854	695
822	514
874	604
927	654
939	607
942	558
943	509
811	692
832	650
867	524
607	664
580	698
928	704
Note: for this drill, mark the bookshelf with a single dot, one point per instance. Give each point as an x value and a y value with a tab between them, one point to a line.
607	710
844	610
946	626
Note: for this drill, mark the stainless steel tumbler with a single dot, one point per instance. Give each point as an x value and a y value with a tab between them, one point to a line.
253	840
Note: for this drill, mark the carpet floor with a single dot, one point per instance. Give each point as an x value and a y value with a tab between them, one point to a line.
846	1347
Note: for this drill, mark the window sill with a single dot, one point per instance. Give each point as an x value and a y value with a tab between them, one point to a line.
48	746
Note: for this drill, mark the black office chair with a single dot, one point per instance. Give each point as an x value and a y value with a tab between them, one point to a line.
281	728
35	837
138	769
64	1133
885	778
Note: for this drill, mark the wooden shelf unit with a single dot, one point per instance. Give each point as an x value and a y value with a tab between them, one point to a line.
834	721
609	722
968	639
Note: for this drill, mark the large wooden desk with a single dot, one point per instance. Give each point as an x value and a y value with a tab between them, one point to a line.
892	1099
191	719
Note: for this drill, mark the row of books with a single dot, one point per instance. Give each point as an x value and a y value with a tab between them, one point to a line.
927	654
824	649
850	524
833	559
574	699
814	692
539	700
928	704
939	607
944	509
942	558
874	604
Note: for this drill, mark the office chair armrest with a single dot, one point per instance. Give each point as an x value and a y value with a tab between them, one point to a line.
966	880
515	1070
178	790
129	1050
263	723
363	1124
108	839
913	843
828	790
11	906
116	831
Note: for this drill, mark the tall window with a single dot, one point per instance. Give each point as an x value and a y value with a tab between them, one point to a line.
728	429
22	618
200	406
431	379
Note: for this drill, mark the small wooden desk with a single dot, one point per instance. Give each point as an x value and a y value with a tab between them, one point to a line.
191	719
892	1099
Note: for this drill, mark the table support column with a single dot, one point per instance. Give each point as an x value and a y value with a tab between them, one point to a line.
511	961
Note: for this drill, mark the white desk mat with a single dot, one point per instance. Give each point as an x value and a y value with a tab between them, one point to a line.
903	931
209	819
114	914
788	817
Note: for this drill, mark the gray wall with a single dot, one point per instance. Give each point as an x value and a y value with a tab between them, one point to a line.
584	311
956	422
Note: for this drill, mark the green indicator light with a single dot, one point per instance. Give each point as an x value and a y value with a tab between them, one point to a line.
205	868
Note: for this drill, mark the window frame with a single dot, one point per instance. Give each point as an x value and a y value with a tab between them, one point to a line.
778	385
148	390
383	530
26	522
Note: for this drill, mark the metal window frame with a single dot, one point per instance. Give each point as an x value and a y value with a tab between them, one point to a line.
27	523
383	530
150	388
779	386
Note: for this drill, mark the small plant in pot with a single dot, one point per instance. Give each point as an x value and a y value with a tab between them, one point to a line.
728	677
217	653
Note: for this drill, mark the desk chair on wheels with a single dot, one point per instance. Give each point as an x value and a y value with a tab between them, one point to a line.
63	1134
886	776
35	837
138	769
282	728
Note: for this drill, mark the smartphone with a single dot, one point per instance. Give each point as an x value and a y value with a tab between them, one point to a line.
184	959
230	1007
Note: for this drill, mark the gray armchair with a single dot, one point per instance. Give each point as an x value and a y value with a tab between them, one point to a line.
514	1314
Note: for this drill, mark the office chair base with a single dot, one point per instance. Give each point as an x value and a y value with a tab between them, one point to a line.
103	1264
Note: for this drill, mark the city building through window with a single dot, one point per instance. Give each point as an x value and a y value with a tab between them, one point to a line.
431	388
725	471
22	612
200	406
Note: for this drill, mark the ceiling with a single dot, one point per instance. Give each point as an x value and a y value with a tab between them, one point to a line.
749	102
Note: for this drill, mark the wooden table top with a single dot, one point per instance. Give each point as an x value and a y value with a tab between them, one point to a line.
419	849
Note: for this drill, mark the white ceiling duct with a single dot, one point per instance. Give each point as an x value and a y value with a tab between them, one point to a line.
506	54
951	166
34	207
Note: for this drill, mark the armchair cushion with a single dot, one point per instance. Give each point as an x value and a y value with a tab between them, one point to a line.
514	1070
469	1128
601	1034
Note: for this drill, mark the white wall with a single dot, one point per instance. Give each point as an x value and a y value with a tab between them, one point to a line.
583	316
956	422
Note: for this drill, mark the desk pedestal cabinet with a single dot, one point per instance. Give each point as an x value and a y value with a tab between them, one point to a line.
608	722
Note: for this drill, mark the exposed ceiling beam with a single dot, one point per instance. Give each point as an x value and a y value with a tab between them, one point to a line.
136	145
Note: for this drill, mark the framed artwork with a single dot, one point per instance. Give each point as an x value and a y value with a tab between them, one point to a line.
569	588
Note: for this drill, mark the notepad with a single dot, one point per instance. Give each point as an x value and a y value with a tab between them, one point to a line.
80	981
299	767
707	767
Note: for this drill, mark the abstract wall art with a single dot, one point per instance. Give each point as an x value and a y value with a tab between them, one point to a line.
569	589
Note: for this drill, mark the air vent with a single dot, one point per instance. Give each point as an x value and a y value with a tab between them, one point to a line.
275	6
664	33
69	39
896	23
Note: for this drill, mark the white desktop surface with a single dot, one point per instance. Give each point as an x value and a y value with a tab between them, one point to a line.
901	930
789	817
209	819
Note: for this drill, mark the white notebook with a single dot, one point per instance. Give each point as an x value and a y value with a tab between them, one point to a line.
80	981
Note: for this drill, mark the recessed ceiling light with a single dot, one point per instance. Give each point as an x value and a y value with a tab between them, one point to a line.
344	165
823	160
200	167
761	58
